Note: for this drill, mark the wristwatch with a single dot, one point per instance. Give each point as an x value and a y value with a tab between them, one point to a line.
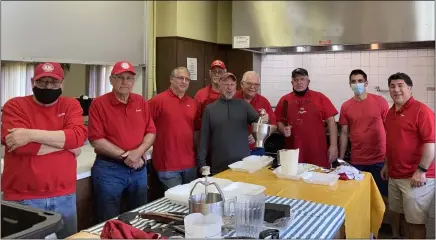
422	169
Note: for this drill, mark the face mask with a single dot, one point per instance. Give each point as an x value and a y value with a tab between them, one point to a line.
46	96
358	88
300	93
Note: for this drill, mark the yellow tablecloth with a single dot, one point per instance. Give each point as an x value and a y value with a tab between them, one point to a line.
363	204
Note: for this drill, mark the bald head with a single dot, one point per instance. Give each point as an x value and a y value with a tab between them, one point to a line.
250	84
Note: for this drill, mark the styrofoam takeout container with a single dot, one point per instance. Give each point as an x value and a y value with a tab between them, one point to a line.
320	178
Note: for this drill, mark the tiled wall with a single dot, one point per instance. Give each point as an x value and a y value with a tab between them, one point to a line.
329	72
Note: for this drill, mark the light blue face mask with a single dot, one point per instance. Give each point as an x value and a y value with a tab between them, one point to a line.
358	88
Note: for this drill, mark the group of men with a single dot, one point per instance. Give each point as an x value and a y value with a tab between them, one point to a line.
43	134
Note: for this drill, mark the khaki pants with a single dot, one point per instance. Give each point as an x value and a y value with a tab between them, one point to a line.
413	202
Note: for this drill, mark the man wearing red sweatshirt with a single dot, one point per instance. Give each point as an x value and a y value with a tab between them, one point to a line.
43	134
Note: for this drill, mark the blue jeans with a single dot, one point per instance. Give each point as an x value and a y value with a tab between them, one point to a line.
64	205
375	169
258	151
171	179
110	181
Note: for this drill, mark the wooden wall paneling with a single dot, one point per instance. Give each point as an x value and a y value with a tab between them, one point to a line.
212	52
238	62
166	61
192	49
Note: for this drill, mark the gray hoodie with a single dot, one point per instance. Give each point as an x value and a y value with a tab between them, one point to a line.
224	127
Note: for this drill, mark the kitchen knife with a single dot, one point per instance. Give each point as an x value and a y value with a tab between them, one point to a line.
285	112
163	217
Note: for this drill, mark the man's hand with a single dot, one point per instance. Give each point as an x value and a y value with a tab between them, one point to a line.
76	151
384	172
17	137
418	179
251	139
287	131
332	153
265	116
133	158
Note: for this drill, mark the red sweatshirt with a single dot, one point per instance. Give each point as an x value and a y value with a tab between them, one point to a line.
28	176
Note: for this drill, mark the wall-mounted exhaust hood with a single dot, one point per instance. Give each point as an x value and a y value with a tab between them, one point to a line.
307	26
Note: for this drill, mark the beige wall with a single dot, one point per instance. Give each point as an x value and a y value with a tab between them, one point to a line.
209	21
74	82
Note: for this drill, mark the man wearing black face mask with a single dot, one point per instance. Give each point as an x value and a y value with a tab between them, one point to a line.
40	165
300	118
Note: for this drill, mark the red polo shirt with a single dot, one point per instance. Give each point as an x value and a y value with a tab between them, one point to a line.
365	120
174	118
124	125
306	114
259	102
408	129
27	175
204	97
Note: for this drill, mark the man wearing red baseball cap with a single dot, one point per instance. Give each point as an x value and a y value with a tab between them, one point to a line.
210	93
121	130
40	167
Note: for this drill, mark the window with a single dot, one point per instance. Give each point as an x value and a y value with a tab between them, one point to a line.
15	80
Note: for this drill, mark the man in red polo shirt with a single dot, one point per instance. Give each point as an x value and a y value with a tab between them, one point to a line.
210	93
362	118
303	127
250	84
410	156
121	130
174	114
43	134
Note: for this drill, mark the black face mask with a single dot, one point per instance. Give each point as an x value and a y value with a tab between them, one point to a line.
46	96
300	93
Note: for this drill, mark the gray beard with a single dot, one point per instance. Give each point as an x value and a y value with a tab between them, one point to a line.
229	95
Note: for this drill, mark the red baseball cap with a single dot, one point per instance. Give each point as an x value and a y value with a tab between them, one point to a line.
121	67
48	69
218	63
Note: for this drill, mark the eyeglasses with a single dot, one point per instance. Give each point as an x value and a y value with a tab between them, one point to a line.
44	84
256	85
121	78
217	71
181	78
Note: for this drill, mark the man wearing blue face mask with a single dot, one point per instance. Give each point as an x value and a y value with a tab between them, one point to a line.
362	119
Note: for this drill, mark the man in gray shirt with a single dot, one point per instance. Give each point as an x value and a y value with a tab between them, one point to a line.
224	127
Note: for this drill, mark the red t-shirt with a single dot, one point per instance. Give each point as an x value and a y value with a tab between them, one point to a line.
259	102
306	115
174	118
28	176
365	120
408	129
123	125
204	97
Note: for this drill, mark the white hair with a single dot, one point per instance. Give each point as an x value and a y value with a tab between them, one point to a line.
248	74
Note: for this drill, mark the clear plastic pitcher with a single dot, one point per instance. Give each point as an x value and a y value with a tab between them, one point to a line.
249	215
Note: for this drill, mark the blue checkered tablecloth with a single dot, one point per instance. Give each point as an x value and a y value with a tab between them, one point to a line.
311	220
